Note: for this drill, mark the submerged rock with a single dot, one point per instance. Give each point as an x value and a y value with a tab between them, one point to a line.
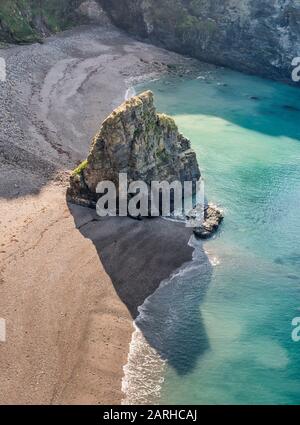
136	140
213	217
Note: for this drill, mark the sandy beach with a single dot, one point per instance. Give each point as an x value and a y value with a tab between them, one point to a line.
70	283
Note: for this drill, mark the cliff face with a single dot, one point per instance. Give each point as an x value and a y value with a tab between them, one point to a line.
136	140
256	36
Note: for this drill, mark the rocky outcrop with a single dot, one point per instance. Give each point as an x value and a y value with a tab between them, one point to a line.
136	140
207	222
255	36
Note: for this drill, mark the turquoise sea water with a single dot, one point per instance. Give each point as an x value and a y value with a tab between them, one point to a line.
221	329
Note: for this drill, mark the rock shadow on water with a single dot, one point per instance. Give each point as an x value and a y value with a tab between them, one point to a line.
140	255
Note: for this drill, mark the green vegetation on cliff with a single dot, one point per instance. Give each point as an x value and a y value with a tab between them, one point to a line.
26	21
15	22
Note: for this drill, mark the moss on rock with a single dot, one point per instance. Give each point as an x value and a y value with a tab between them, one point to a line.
80	168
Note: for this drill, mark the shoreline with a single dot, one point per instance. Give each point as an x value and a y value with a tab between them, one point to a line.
69	296
140	347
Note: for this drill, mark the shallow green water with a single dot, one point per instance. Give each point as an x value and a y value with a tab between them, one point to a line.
226	334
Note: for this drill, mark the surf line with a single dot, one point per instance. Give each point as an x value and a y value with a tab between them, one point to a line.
2	330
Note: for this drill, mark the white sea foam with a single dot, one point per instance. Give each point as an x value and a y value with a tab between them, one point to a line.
130	92
135	81
143	374
214	260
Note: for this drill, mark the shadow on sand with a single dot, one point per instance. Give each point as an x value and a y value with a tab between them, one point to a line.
138	256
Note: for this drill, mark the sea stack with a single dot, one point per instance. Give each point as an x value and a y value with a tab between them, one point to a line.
136	140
